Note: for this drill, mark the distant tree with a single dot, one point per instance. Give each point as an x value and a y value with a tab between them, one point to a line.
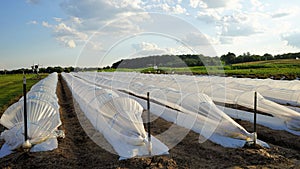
57	69
42	70
69	69
229	58
267	56
106	67
116	64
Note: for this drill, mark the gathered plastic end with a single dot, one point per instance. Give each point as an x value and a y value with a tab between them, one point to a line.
253	142
26	145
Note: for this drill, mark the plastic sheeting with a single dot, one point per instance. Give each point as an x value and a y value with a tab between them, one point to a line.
42	118
198	110
271	122
220	89
117	118
279	95
280	91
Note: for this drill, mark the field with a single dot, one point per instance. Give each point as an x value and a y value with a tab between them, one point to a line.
77	150
11	88
276	69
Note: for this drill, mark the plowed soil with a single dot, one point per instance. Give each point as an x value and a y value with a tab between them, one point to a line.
77	150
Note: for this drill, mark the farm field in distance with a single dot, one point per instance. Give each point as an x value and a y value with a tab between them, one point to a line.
11	88
276	69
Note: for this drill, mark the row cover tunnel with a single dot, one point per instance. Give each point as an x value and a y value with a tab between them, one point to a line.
43	118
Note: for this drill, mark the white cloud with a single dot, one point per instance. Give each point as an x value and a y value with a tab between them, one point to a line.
46	24
88	16
148	49
196	39
76	20
292	38
257	5
66	34
57	19
145	46
230	4
124	25
102	9
241	24
224	20
64	30
216	3
167	8
32	22
71	44
209	16
197	3
178	9
236	29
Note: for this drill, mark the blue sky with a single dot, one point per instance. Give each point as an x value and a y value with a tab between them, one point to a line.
99	32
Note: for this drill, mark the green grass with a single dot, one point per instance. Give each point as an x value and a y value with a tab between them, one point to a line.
11	88
290	68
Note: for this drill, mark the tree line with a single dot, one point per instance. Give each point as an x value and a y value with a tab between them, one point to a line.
231	58
185	60
49	69
167	61
196	60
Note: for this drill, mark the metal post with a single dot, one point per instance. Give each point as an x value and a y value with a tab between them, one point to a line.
255	112
148	124
25	108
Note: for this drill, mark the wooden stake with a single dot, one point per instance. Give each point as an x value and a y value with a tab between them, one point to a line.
25	109
148	124
255	112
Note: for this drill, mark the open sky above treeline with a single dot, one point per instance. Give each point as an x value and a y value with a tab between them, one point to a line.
98	33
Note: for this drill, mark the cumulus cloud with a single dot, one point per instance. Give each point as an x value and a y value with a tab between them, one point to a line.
235	29
148	49
178	9
64	30
196	3
46	24
170	8
32	22
292	38
146	46
66	34
110	19
99	9
240	24
215	4
209	16
88	16
196	39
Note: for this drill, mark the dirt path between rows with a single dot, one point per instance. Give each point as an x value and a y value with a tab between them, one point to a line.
77	150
